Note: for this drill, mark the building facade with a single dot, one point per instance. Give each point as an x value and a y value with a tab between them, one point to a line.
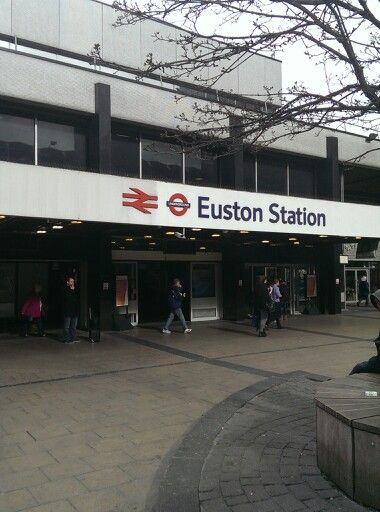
91	187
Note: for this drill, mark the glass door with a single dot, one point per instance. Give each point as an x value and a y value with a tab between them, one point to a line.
352	278
205	291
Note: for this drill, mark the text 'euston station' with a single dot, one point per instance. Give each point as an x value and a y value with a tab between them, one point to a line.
277	213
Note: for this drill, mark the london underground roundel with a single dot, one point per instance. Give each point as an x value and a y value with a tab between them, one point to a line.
178	204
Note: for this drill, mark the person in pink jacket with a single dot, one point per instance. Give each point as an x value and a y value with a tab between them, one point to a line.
31	311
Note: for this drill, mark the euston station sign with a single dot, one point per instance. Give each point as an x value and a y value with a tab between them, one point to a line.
49	193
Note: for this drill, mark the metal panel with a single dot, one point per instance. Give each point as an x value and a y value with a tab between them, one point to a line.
6	16
36	19
80	25
120	44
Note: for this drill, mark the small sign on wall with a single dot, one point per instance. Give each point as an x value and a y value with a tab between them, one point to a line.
311	286
121	291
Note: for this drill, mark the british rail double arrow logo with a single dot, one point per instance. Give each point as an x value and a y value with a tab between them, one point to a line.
140	200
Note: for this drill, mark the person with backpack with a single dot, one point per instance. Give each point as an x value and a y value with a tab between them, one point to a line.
175	299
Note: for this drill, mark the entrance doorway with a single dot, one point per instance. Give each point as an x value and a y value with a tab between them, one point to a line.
294	276
154	281
352	277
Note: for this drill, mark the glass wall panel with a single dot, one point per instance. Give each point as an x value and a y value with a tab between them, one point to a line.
249	173
203	280
61	145
126	155
362	185
202	169
271	175
7	289
301	179
161	161
16	139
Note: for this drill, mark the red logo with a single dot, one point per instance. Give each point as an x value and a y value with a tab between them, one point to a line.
141	200
178	204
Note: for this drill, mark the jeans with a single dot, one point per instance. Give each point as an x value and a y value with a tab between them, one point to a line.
69	328
25	321
263	315
370	366
179	314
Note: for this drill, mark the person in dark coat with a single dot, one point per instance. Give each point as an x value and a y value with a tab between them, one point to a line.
260	303
175	299
363	291
373	363
70	311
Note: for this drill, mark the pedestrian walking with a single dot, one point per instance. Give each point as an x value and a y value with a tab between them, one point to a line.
285	299
70	310
175	300
363	291
31	312
276	297
261	300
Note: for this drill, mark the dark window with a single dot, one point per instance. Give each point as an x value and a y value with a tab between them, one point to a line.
16	139
202	169
249	173
61	145
271	175
301	179
362	185
126	155
161	161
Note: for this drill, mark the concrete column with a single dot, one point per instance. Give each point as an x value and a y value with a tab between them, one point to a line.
101	139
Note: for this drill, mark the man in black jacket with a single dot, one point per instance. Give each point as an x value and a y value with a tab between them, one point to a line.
70	310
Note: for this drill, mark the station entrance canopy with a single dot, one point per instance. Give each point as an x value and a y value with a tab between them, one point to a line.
37	191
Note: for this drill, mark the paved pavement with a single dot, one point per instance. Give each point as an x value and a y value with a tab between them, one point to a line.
135	423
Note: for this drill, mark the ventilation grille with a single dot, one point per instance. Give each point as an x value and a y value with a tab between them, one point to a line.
204	313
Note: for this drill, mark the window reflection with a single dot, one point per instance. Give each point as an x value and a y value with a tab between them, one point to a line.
271	175
161	161
301	178
201	168
126	155
16	139
61	145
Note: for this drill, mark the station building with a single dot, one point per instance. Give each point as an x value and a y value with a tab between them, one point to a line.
90	187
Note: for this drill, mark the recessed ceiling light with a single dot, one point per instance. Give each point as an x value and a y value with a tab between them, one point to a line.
215	235
322	236
244	232
192	238
57	226
147	237
76	222
129	239
265	241
292	239
113	242
169	233
296	243
41	231
152	243
358	237
3	217
202	248
122	248
196	229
